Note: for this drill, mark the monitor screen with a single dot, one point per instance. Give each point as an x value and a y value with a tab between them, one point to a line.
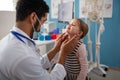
65	11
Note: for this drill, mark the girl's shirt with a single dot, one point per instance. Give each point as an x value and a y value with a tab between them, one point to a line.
76	63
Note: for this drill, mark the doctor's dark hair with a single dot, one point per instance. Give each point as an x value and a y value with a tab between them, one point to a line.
25	7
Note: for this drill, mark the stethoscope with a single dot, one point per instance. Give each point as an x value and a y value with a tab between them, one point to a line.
18	36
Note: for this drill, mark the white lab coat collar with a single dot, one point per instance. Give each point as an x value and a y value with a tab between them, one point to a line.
20	31
23	33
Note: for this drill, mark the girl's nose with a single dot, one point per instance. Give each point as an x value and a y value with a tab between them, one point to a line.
68	26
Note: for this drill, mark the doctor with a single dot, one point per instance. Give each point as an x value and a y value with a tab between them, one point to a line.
19	56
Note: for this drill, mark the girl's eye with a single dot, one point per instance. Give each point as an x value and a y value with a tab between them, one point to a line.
73	25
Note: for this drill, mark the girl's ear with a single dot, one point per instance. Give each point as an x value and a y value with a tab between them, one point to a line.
81	33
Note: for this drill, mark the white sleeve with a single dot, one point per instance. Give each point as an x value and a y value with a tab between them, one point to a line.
83	62
30	68
45	62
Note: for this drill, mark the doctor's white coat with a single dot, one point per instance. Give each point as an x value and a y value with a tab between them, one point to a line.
19	61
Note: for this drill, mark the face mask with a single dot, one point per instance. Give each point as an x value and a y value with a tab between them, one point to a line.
35	26
36	33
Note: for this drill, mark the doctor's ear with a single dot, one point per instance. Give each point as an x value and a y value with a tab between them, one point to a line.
33	17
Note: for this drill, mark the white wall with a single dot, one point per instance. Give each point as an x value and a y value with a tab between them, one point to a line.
7	21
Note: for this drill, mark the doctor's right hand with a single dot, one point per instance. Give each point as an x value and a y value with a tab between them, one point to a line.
59	41
67	47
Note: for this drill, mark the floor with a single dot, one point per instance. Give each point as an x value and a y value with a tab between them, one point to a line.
112	74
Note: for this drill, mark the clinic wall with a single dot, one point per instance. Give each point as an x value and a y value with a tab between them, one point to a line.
7	20
110	38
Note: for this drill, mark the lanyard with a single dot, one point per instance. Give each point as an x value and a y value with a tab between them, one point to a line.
18	35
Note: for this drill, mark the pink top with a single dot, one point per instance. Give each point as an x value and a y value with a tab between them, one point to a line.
83	62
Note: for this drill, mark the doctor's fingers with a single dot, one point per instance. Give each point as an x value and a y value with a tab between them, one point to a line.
57	44
59	41
62	37
69	45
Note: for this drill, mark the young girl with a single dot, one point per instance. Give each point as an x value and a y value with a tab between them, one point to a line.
76	63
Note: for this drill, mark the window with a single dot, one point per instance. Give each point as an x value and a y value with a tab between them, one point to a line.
7	5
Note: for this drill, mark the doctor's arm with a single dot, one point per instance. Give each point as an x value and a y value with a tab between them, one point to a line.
29	68
46	59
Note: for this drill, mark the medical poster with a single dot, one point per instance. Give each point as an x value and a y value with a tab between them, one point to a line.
64	1
54	7
65	11
102	6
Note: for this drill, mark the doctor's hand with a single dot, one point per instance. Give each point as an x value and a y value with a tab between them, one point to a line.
57	46
59	41
67	47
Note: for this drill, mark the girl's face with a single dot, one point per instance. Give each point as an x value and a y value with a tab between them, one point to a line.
73	27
